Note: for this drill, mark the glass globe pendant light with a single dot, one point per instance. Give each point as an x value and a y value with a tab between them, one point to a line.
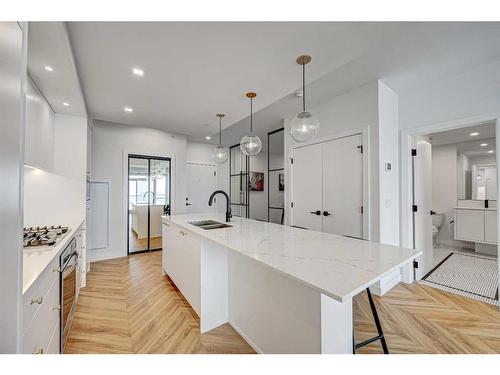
251	144
220	152
304	126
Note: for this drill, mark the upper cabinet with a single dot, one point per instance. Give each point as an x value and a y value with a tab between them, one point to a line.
39	131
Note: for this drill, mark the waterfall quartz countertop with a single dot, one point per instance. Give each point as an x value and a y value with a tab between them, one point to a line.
35	261
337	266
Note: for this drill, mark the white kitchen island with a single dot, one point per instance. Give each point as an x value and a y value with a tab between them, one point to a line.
284	289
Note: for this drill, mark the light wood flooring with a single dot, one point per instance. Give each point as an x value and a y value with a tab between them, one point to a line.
136	244
129	307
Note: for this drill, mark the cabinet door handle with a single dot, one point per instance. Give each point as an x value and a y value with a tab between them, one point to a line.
38	301
318	212
326	213
38	351
182	232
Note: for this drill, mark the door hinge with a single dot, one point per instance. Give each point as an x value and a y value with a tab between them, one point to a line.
360	148
291	160
291	204
362	210
413	152
415	264
414	208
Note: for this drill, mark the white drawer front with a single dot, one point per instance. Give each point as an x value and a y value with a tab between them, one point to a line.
53	347
39	333
37	293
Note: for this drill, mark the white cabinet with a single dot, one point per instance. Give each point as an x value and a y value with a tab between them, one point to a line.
469	225
490	226
476	225
181	256
41	313
327	186
39	132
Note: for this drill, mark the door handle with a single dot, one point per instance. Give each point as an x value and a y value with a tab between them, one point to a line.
316	212
326	213
188	204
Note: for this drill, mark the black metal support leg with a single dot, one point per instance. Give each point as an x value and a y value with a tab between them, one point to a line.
377	324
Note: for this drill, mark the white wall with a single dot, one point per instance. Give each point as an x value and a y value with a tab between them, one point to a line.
474	92
111	143
200	153
52	199
388	153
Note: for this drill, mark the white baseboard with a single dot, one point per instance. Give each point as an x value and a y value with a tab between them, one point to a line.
246	338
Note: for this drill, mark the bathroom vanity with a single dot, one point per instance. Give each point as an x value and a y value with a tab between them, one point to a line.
283	289
478	224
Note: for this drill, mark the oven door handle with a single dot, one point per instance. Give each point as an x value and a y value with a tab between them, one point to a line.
68	269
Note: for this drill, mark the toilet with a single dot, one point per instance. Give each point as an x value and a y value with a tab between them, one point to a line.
437	221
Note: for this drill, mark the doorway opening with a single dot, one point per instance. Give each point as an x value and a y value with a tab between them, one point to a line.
454	210
149	187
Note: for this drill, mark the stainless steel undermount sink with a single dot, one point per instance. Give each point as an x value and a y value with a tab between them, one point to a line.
209	224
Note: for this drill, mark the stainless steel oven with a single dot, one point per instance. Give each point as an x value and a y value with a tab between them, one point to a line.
68	280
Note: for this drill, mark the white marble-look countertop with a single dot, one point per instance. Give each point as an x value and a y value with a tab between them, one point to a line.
35	262
337	266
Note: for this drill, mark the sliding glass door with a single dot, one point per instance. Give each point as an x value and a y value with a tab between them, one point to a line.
149	184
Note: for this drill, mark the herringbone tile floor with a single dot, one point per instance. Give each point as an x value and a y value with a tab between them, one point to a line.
129	307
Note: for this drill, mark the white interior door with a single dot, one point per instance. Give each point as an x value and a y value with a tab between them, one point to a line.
422	180
306	187
343	186
201	183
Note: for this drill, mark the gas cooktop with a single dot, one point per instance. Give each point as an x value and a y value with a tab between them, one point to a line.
48	236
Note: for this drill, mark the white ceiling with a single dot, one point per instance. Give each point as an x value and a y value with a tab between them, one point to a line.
48	44
467	144
486	130
195	70
423	53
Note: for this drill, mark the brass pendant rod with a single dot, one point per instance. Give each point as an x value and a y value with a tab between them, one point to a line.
251	115
303	87
220	131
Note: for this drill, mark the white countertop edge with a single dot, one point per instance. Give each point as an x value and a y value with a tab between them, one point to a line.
52	253
476	208
345	298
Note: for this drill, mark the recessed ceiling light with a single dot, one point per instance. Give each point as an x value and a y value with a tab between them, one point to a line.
128	109
138	72
48	68
66	104
473	134
483	144
208	137
491	152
